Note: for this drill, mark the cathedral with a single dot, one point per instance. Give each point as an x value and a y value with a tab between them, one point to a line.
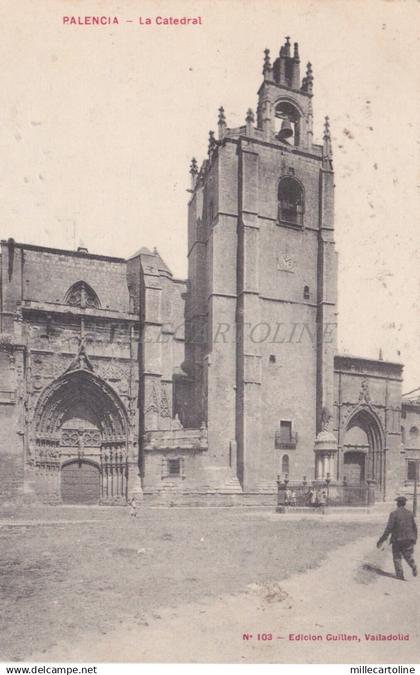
119	380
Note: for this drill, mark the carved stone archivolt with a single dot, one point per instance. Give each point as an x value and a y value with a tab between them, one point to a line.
78	410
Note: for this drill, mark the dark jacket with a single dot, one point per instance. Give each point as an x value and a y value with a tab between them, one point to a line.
401	526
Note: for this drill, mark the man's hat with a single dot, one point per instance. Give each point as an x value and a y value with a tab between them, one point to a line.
401	501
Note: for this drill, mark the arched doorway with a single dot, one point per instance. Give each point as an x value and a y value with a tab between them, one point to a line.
82	423
363	449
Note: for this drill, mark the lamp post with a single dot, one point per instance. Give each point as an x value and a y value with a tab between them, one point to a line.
416	480
328	481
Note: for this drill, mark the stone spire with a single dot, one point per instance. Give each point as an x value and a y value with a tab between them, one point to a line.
221	123
267	69
250	120
212	143
308	80
295	75
286	68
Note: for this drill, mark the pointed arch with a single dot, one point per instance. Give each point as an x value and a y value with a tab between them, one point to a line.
370	422
75	390
364	447
291	200
82	295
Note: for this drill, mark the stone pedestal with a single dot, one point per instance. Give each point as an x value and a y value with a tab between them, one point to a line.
326	451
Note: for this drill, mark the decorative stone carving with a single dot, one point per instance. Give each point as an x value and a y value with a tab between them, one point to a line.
286	263
364	391
81	362
110	370
87	438
176	423
153	405
326	418
164	404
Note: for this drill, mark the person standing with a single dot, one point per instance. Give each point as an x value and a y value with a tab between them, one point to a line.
133	507
403	530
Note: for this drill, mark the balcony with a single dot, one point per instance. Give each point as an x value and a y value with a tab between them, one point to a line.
283	442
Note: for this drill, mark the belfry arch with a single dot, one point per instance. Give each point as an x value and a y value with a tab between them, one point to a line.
80	434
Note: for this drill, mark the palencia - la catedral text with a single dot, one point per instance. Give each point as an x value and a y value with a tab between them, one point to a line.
142	20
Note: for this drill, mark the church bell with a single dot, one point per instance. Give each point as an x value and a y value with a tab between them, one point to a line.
286	130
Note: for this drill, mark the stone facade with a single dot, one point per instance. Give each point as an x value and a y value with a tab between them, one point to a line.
409	468
119	380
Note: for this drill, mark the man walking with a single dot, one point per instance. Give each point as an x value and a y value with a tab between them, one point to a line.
403	530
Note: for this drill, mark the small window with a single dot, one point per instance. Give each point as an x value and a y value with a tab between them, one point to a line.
290	201
174	467
272	358
306	294
285	464
285	431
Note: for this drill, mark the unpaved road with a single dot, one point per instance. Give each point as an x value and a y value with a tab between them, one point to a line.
345	595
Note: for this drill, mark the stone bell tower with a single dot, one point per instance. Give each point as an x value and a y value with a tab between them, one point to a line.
261	307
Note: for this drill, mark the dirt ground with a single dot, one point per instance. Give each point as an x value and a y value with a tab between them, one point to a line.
180	585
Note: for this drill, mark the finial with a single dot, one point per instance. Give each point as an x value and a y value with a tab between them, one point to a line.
250	117
327	133
307	82
212	142
381	356
309	69
267	62
287	46
193	173
221	123
193	167
296	52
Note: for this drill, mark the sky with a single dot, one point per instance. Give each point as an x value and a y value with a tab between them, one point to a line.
99	124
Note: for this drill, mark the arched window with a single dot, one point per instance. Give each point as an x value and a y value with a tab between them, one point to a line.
306	294
291	202
81	295
285	464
